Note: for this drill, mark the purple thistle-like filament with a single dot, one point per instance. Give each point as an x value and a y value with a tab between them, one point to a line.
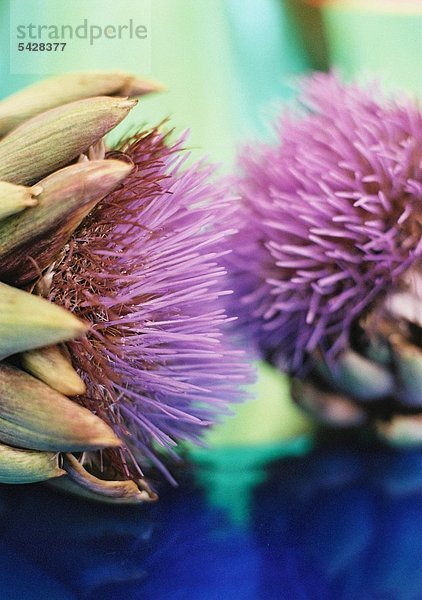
329	218
145	270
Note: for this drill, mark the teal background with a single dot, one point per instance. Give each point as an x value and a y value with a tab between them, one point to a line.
386	42
97	51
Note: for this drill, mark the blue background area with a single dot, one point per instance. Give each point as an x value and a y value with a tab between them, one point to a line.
338	524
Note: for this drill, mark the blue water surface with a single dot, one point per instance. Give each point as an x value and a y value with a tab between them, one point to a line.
343	523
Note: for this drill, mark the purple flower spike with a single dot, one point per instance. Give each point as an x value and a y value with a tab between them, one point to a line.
145	270
330	218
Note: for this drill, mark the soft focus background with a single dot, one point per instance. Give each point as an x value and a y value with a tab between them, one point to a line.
247	522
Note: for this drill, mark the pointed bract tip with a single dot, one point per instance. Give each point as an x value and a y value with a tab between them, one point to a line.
116	491
126	103
34	416
28	321
18	466
53	139
15	198
139	86
67	88
53	367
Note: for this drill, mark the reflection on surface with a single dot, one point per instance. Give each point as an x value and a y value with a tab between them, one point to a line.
344	522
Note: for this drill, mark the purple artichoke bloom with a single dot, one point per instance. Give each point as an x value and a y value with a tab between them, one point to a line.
329	219
144	269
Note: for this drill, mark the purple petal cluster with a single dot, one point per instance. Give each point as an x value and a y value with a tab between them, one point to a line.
145	270
330	216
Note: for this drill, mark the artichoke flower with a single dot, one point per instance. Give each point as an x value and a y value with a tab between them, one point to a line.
327	264
112	341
